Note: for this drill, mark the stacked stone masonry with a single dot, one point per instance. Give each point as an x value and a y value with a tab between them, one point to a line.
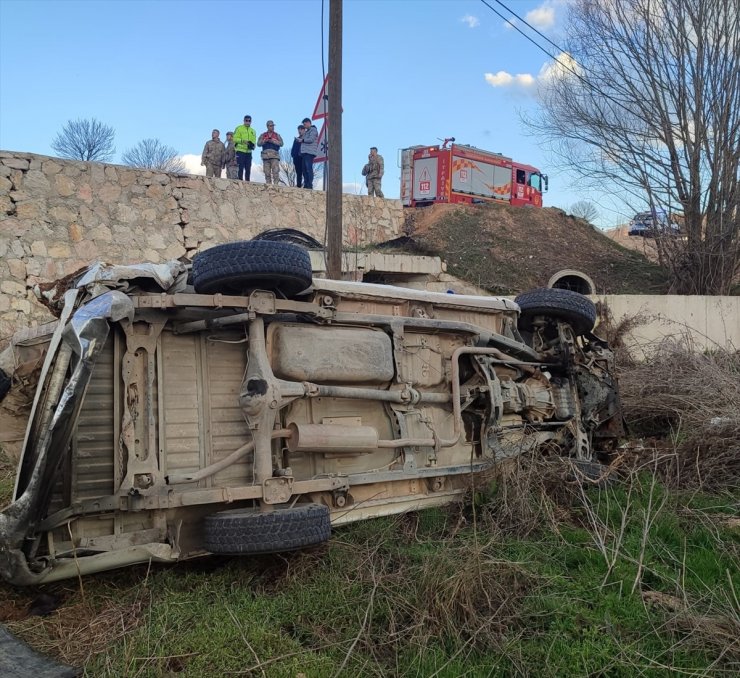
58	216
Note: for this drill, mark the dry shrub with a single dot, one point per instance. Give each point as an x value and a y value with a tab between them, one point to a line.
615	333
717	629
528	494
74	634
692	400
440	589
475	605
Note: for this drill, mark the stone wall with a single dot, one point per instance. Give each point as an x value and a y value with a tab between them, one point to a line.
57	216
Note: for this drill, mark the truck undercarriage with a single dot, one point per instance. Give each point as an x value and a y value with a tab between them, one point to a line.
248	415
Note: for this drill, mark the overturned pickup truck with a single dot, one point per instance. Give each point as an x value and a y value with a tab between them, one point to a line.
243	408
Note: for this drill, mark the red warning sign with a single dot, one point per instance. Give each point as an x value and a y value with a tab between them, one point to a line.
321	109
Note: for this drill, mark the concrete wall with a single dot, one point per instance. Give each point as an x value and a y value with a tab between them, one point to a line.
707	322
57	216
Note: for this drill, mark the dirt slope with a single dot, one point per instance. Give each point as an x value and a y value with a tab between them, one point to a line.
510	249
645	246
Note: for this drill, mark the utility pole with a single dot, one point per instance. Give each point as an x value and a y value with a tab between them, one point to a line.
334	121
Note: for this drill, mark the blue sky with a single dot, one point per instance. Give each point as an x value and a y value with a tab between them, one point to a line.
414	71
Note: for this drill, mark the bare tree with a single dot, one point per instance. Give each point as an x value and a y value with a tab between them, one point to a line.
583	209
85	139
154	155
647	104
287	169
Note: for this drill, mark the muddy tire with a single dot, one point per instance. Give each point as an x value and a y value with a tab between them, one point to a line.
572	307
236	267
248	531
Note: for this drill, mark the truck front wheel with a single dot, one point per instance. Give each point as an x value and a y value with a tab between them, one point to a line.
572	307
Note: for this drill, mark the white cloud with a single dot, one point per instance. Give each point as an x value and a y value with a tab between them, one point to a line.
542	17
353	187
563	66
509	25
257	175
192	164
470	20
504	79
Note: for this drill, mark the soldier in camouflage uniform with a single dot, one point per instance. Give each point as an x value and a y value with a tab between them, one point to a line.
213	155
270	143
373	172
230	163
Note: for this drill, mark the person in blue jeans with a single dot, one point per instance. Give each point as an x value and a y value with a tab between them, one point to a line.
295	153
309	149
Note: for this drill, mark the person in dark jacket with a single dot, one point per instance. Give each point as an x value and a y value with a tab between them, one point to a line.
309	149
295	153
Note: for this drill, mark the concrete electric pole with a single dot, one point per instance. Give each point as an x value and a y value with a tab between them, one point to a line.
334	121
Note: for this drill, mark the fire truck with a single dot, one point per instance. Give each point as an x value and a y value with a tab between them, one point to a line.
457	173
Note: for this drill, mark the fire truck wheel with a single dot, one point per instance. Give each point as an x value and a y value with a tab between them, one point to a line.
250	531
572	307
236	267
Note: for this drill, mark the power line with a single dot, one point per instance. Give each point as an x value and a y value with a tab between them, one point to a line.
524	21
323	68
586	82
519	30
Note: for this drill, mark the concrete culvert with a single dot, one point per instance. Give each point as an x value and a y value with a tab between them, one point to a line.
575	281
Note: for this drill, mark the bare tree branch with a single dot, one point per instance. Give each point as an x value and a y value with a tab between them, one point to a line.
154	155
85	139
654	113
287	169
583	209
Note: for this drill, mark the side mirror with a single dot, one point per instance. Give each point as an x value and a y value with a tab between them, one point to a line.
544	183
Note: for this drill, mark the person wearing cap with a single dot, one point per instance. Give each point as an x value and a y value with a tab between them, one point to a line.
373	172
295	153
245	140
270	142
213	155
232	169
309	149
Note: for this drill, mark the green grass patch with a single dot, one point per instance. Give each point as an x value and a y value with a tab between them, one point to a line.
7	478
620	581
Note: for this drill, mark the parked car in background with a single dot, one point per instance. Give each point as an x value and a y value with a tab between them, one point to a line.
244	408
652	224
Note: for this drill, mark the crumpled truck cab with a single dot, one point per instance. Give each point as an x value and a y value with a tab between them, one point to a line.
244	408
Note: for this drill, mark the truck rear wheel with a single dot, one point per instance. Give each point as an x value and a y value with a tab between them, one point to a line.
572	307
250	531
236	267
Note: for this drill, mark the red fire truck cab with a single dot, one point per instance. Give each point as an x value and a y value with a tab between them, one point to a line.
460	173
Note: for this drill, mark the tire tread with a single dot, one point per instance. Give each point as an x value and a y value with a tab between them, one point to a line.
235	266
571	306
247	531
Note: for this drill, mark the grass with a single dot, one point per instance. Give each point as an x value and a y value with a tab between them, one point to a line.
536	576
7	477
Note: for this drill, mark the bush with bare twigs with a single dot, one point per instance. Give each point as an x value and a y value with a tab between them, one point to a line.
615	332
692	400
